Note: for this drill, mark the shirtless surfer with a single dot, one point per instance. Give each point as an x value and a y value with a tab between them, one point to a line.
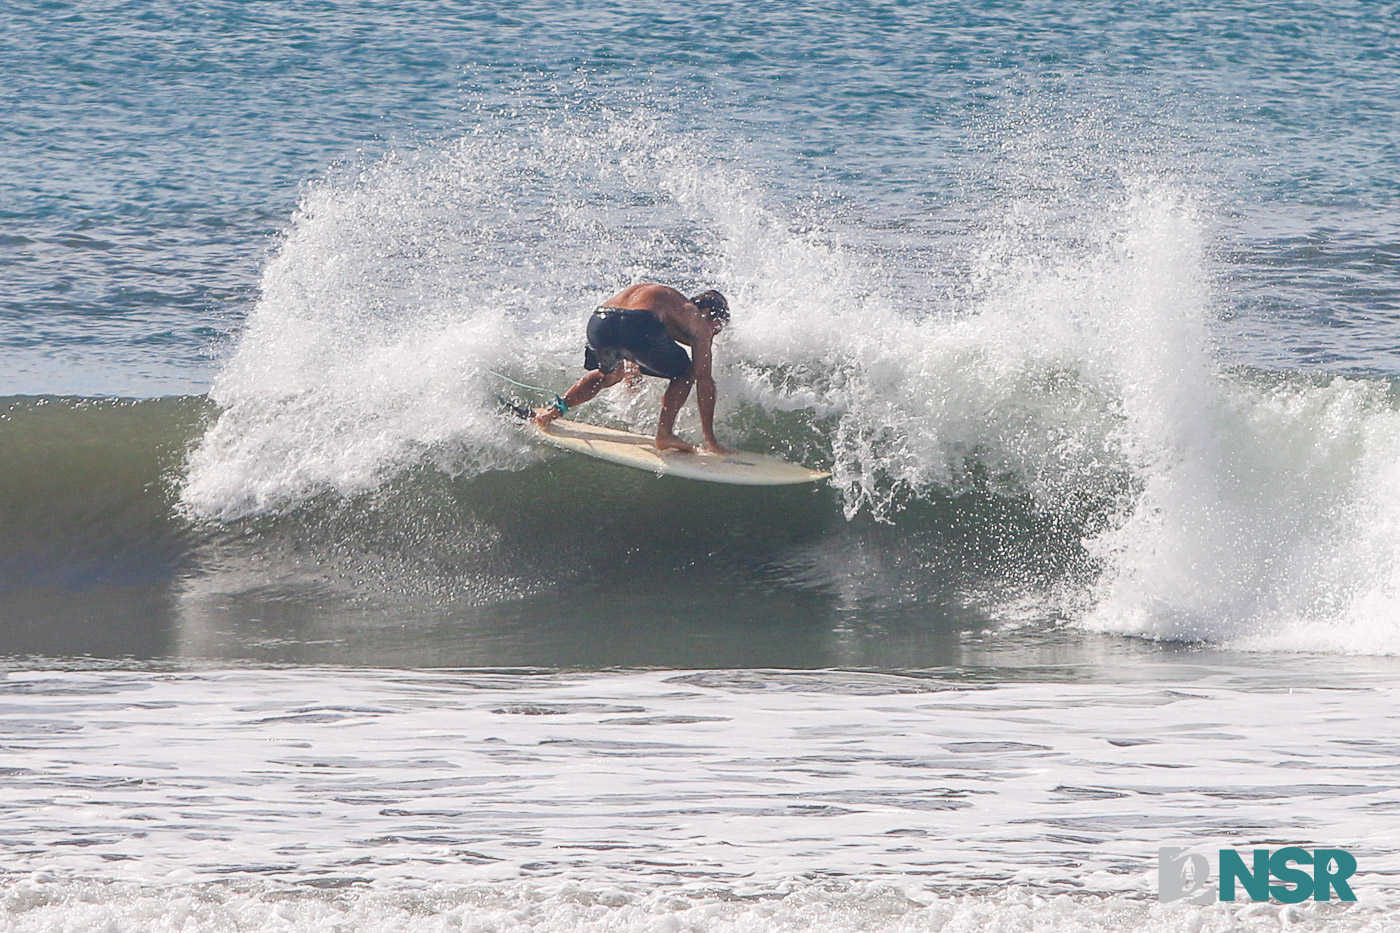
640	330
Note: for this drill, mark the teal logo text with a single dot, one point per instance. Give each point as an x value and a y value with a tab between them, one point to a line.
1289	875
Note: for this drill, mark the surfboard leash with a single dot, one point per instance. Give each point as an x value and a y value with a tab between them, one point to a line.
558	399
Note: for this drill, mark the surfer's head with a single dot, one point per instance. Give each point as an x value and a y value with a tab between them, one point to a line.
715	306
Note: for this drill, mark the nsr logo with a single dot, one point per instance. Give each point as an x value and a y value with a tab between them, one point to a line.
1187	877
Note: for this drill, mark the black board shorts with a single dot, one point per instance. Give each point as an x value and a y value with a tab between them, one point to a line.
617	334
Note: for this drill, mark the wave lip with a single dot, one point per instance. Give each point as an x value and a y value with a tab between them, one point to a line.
1275	533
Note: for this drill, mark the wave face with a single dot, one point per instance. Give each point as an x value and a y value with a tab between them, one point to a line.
1055	441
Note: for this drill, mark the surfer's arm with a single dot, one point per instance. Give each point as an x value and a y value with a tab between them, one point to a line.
705	393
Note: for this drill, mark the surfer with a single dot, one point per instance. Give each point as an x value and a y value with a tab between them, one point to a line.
640	331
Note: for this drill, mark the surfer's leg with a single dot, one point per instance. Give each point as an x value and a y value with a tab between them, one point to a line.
582	391
676	394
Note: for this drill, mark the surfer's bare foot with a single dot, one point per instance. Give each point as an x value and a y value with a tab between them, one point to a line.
671	442
544	416
715	447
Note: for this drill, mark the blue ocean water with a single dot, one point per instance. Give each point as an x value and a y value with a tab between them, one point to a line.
153	152
1090	309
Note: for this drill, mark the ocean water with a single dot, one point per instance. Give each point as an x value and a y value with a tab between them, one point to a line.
1091	310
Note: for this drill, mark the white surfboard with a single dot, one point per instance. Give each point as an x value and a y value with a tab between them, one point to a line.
634	450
